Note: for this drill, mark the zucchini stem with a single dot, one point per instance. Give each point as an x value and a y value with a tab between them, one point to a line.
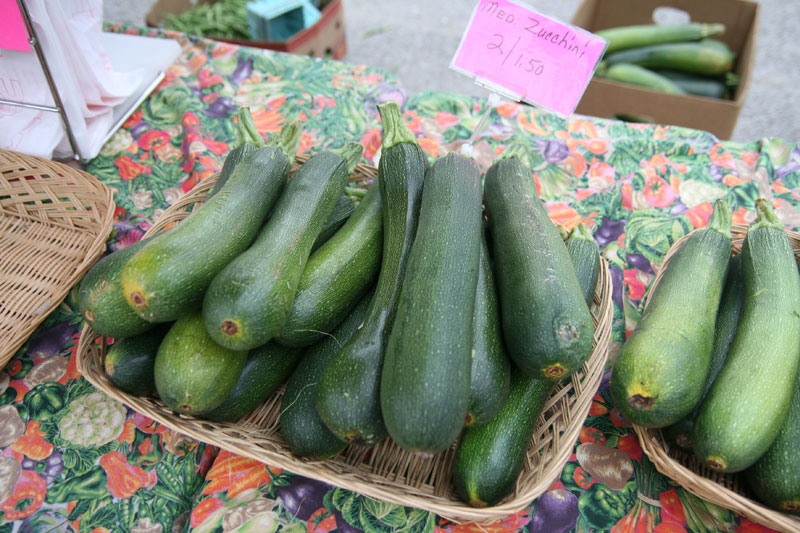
721	218
516	149
766	217
351	152
395	129
246	131
581	232
288	139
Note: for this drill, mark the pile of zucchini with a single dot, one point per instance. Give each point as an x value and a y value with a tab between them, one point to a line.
393	317
674	58
715	357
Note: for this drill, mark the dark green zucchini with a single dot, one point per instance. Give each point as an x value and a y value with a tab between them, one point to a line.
425	385
129	362
301	426
249	300
341	212
775	477
491	369
337	275
748	402
265	370
585	254
546	323
489	458
711	87
730	309
348	394
168	277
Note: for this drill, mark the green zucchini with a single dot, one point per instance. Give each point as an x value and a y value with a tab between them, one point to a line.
301	426
687	57
749	400
348	397
710	87
101	300
425	385
660	373
129	362
546	323
265	370
168	277
641	77
624	37
490	375
585	255
489	458
337	275
341	212
194	374
775	477
730	309
249	300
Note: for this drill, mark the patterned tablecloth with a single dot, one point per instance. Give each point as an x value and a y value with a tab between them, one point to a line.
72	459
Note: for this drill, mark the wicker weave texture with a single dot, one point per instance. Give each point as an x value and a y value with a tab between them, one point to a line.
725	490
54	222
384	471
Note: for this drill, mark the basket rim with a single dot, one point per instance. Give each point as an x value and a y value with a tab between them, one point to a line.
102	217
657	449
456	511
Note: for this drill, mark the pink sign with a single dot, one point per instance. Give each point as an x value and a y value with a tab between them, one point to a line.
12	29
517	51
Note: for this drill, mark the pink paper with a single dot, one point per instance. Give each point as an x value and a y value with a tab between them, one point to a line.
12	28
532	57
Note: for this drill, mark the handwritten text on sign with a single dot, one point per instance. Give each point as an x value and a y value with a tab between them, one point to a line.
538	59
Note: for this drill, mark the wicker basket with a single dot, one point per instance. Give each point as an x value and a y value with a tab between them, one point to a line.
384	471
725	490
54	222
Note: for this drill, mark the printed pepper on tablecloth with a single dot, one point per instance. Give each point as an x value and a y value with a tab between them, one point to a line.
638	187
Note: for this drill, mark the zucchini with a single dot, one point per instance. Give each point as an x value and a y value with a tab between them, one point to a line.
660	373
341	212
490	375
194	374
348	397
301	426
489	458
730	309
249	300
585	255
129	362
337	275
775	477
168	276
546	323
101	300
686	57
641	77
710	87
265	369
425	385
624	37
749	400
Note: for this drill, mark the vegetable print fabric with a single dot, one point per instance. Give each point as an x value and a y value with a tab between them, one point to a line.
72	459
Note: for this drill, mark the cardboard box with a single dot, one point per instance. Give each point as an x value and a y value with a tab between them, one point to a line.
604	98
326	38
